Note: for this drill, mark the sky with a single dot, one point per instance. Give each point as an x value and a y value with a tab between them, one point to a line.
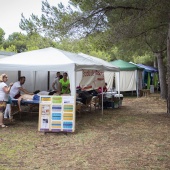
11	10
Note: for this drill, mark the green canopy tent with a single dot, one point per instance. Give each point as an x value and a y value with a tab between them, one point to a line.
125	66
130	76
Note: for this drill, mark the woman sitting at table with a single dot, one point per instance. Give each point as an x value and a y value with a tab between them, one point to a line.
104	88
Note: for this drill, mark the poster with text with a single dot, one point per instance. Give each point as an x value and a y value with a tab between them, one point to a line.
57	114
44	116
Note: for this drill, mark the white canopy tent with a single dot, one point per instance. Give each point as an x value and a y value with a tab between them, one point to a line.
52	59
79	74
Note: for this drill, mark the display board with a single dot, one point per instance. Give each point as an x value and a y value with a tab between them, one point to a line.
57	114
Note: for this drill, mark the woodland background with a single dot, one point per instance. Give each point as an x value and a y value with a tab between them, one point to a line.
133	30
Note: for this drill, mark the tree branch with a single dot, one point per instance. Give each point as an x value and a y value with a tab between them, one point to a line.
150	29
157	51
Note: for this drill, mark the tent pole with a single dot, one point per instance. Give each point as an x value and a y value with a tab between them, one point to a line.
119	84
137	83
102	101
74	94
19	75
48	81
35	77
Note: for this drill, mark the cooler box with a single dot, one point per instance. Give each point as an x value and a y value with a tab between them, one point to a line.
118	101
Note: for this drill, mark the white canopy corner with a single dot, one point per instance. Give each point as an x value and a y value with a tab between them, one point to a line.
52	59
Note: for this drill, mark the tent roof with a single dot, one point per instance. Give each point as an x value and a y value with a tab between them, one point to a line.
52	59
4	54
123	65
98	60
148	68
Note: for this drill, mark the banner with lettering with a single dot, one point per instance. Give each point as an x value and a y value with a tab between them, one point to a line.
92	79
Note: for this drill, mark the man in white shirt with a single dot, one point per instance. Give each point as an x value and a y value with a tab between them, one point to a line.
17	88
56	84
15	93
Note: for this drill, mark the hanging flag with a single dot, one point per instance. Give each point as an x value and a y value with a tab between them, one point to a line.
155	80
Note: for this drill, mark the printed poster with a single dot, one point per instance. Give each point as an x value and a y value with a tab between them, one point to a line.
45	99
45	116
45	122
57	113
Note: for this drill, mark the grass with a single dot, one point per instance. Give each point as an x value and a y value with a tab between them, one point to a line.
135	136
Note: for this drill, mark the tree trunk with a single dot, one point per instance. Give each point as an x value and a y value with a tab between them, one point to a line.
168	70
162	75
155	64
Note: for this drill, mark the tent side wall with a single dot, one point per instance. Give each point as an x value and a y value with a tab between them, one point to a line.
12	76
109	78
127	80
35	80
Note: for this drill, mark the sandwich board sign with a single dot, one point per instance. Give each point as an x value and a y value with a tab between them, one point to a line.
57	114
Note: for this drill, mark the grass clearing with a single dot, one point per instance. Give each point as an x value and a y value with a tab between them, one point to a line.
135	136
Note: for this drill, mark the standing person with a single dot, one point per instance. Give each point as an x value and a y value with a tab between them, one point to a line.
15	94
64	84
17	88
56	84
4	95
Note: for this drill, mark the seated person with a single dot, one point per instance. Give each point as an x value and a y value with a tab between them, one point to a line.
94	92
104	88
84	95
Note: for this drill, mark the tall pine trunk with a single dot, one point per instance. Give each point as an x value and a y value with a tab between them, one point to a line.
155	64
168	69
162	75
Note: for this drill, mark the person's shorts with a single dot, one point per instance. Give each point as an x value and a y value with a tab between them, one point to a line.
2	106
17	96
9	100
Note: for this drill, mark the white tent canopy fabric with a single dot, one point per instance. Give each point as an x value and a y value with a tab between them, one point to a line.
127	80
98	60
94	59
52	59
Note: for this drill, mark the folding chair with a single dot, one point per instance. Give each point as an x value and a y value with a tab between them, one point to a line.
95	102
87	105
